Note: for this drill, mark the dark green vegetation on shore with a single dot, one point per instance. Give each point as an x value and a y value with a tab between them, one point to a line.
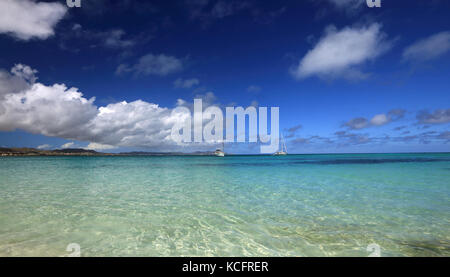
56	152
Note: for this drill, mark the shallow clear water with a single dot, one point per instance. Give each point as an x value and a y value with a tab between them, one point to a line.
298	205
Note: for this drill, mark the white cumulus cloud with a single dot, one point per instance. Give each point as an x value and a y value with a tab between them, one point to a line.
380	119
20	77
49	110
58	111
67	145
44	146
26	19
339	52
99	146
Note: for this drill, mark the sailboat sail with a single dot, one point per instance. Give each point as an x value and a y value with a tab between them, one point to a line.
283	150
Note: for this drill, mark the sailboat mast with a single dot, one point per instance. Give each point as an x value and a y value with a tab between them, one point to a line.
280	142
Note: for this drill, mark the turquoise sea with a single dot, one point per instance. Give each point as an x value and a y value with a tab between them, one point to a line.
297	205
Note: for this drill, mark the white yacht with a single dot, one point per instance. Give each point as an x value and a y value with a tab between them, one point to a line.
283	150
220	152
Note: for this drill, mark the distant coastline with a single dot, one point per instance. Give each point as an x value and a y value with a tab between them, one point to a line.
17	152
30	152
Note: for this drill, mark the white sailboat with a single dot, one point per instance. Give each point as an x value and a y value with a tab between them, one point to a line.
220	152
283	150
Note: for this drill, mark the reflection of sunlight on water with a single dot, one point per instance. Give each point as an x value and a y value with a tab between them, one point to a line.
236	206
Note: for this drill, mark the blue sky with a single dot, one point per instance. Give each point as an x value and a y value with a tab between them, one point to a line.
347	78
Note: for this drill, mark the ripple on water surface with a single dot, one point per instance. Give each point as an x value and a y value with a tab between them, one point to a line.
298	205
